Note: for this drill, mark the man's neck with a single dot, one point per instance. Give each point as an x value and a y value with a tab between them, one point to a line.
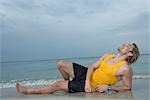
120	57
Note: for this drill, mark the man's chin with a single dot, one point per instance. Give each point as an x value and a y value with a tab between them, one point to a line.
119	51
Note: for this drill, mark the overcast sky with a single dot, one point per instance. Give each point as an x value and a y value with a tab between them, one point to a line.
50	29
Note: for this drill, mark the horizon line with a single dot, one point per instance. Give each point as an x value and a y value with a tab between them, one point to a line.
35	60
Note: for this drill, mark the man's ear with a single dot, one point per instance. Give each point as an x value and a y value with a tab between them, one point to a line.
129	54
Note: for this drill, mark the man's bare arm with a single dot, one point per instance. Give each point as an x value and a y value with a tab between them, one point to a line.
127	81
92	68
90	72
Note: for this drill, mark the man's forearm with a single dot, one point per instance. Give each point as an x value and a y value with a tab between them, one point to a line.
91	70
89	73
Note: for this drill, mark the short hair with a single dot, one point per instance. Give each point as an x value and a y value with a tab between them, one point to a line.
135	52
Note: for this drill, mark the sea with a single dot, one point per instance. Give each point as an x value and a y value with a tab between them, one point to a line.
43	72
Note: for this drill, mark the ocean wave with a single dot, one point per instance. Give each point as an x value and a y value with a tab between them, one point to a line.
32	83
141	76
35	83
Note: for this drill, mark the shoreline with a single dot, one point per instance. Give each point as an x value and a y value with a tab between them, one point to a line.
140	91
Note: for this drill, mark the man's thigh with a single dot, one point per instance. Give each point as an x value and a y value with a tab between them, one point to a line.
67	66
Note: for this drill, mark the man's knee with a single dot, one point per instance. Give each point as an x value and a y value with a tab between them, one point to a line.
61	63
62	85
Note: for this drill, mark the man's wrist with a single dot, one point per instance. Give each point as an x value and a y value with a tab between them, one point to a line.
86	81
109	87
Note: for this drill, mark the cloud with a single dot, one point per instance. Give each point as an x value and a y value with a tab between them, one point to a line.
31	27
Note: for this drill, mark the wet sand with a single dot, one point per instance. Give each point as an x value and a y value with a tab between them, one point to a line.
140	91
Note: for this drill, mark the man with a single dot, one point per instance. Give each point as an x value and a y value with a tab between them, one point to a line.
100	76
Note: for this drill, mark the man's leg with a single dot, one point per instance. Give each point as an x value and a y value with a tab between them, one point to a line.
58	85
66	69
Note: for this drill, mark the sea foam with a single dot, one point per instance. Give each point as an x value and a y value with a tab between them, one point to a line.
38	83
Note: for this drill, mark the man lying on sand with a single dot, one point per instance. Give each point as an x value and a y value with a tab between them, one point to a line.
100	76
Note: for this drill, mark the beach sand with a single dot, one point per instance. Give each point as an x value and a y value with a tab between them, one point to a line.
140	91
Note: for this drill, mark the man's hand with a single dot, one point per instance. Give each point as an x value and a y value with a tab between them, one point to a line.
87	87
101	88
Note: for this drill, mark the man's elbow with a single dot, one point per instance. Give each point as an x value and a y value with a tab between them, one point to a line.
93	67
125	88
128	88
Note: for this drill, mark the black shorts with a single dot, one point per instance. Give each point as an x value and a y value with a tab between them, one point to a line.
78	82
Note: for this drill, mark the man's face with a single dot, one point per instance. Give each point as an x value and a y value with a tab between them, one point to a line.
125	48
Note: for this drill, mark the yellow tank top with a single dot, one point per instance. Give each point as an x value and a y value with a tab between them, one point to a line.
105	73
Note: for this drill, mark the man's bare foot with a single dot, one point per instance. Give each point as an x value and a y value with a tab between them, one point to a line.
21	89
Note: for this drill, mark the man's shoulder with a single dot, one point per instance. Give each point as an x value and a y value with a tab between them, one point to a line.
126	68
